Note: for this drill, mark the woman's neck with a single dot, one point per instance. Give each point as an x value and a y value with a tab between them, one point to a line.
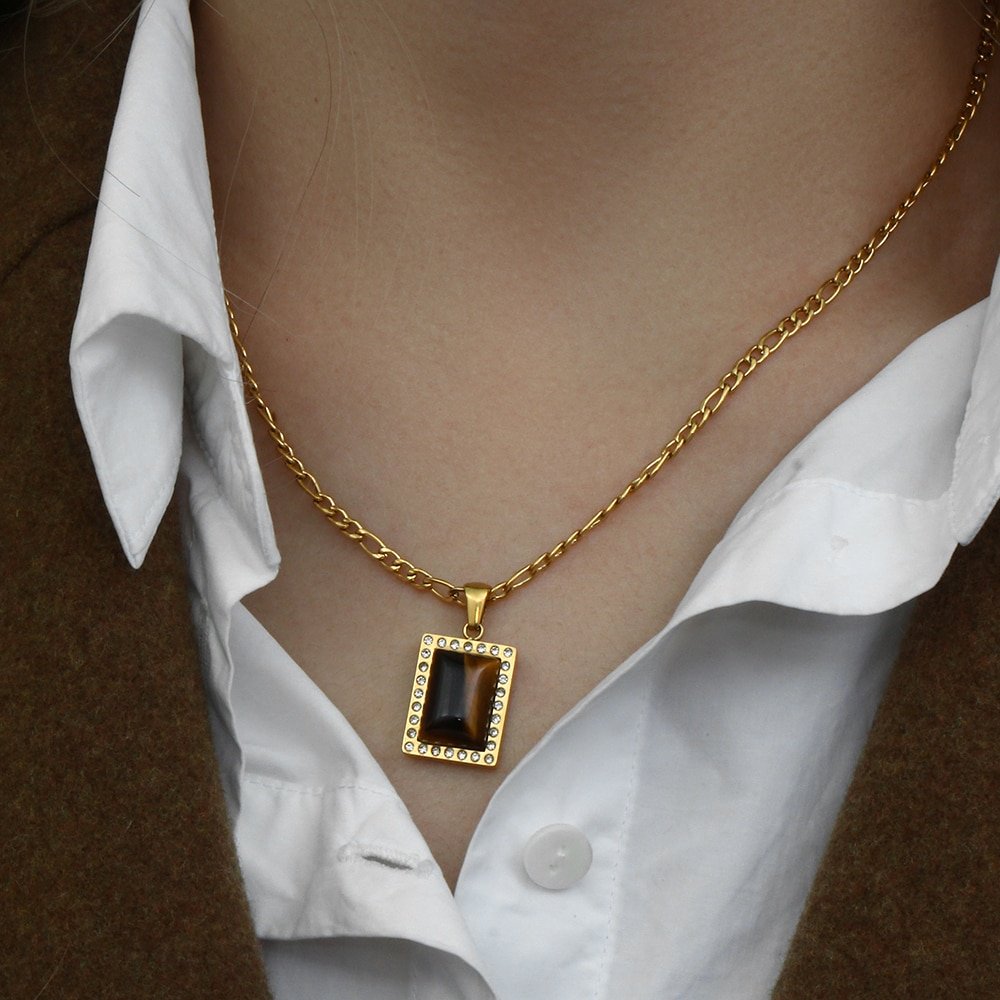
391	149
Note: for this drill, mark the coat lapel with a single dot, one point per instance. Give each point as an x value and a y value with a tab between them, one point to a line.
907	899
118	876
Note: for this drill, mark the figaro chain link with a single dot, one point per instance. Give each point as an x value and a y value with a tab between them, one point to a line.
757	354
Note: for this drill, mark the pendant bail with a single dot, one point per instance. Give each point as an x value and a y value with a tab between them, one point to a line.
476	596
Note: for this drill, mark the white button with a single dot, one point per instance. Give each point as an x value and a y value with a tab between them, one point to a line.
557	856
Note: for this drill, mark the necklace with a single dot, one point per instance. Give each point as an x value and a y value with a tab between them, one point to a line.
457	703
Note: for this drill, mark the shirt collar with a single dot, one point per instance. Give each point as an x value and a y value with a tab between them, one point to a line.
975	485
855	522
152	293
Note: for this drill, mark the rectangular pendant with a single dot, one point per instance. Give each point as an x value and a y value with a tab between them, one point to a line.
458	702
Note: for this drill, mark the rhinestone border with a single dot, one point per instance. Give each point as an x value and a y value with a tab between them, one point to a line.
429	641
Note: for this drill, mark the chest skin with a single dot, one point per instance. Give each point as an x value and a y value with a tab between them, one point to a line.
355	629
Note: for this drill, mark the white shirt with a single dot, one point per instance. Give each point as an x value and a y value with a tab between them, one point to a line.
704	773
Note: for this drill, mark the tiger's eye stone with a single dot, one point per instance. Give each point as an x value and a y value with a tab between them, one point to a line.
459	699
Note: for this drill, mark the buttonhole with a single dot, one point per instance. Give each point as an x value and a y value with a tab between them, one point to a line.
386	857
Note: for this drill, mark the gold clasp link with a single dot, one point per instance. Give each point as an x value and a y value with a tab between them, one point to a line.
476	596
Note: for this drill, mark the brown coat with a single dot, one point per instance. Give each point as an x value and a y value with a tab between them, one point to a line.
118	876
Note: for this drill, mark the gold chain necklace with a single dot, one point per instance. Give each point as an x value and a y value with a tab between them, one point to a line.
461	684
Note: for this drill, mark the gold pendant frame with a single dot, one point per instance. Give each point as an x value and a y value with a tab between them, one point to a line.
484	752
